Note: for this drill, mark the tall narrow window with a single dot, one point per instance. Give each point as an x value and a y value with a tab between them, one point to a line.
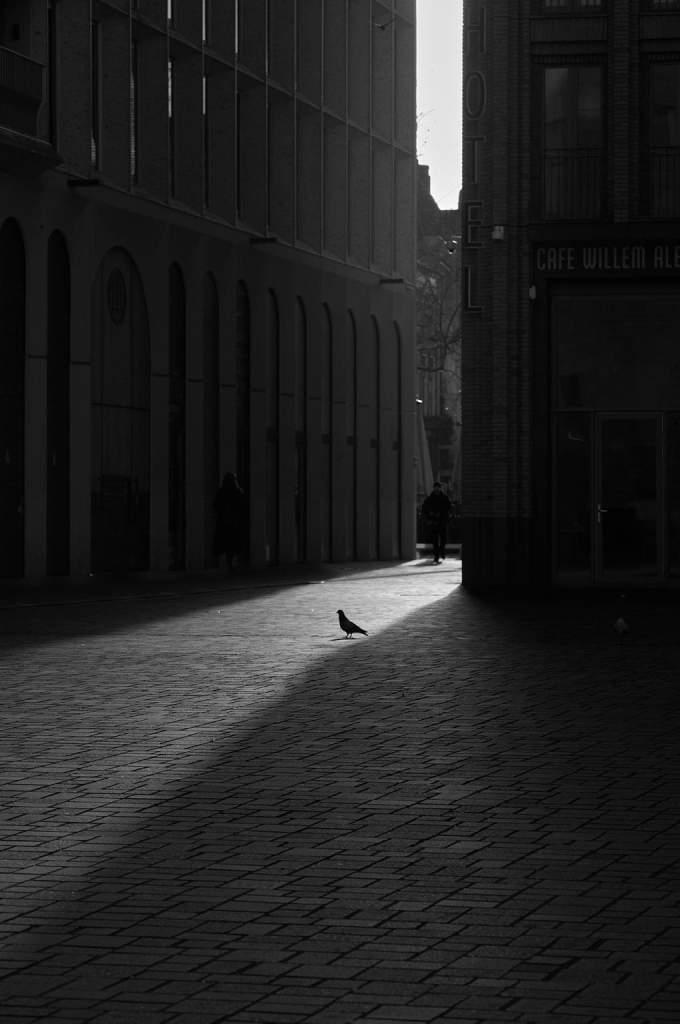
270	164
205	20
237	154
52	72
171	12
573	136
95	97
206	140
171	125
665	139
237	27
134	113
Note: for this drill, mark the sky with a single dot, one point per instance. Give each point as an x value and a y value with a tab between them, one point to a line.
439	92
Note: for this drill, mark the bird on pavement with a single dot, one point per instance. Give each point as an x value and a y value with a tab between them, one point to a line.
349	627
621	627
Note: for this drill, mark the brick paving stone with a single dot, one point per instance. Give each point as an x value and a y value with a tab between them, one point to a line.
206	805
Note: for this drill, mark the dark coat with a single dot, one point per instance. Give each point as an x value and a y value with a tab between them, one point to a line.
232	516
436	510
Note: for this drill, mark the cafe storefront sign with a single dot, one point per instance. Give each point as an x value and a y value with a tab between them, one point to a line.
619	258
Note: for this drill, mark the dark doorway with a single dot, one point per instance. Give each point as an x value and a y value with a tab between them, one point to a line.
58	406
176	420
12	383
120	418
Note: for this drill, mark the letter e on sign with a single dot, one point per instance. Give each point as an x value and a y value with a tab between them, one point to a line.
473	223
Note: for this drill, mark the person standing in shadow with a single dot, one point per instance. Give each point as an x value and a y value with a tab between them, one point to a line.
232	517
436	512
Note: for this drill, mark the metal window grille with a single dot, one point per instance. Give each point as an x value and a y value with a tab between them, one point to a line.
572	183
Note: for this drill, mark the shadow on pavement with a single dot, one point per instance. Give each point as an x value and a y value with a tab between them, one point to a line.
467	810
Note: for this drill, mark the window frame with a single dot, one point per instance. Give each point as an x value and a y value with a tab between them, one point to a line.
646	193
539	172
569	8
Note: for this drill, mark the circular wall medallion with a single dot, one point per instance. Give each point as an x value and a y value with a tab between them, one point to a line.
117	296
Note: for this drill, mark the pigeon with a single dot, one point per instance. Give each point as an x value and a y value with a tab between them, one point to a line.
349	627
621	627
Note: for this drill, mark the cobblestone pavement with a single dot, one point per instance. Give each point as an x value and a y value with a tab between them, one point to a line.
216	808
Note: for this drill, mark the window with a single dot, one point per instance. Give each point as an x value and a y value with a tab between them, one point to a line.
238	152
572	141
95	97
205	20
52	72
665	140
171	125
571	4
206	141
134	113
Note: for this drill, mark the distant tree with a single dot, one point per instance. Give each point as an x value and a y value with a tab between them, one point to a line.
438	299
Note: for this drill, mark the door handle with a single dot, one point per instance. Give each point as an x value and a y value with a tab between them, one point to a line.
600	510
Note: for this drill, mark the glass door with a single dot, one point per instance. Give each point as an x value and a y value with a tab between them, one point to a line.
628	531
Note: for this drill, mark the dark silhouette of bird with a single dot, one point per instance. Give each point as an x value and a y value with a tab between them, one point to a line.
621	627
349	627
382	25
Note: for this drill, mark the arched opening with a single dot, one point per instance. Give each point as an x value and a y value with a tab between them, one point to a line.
120	417
351	430
326	434
373	370
58	406
177	345
12	385
243	394
394	378
273	387
211	411
300	430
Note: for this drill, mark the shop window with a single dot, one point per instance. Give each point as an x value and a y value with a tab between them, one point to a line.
665	140
572	142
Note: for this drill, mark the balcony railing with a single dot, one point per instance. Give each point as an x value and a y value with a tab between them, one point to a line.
572	183
665	197
21	92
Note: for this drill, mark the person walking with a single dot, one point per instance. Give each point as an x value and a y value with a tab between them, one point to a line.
232	517
436	511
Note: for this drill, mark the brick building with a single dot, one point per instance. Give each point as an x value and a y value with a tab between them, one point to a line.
571	290
207	224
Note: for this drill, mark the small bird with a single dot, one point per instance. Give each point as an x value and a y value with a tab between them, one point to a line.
621	627
349	627
383	25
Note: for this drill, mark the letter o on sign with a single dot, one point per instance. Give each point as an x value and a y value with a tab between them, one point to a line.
475	95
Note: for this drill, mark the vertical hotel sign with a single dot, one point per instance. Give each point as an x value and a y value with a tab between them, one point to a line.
474	141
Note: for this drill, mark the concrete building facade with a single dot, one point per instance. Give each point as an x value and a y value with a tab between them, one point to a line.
571	361
207	224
